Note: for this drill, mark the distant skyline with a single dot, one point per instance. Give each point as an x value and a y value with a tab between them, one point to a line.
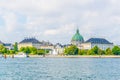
57	20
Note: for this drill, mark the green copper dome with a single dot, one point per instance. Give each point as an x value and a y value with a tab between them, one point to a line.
77	37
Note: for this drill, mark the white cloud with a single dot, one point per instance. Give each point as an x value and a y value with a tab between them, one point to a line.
61	30
49	18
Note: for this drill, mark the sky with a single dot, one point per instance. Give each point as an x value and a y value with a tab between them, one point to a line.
56	21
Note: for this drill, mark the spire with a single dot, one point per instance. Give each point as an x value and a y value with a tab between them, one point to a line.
77	31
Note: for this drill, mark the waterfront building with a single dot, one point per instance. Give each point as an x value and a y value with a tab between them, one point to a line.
30	42
53	49
59	48
102	43
46	45
9	46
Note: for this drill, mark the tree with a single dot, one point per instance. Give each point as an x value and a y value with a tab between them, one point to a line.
16	47
101	52
27	50
82	52
3	49
11	51
42	51
72	50
108	51
95	50
33	50
90	52
116	50
22	49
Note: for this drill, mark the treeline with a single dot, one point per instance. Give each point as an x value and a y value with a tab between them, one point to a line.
34	51
27	50
73	50
4	50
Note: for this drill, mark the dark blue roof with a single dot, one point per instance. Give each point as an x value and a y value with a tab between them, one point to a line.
7	44
30	40
98	41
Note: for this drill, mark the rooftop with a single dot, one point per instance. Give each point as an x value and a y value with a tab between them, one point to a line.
77	37
98	41
30	40
7	44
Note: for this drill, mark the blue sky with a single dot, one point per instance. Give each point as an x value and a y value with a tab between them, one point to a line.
57	20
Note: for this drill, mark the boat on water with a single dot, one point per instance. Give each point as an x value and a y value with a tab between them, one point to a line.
20	55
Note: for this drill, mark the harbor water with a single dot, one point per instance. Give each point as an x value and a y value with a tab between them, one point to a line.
60	69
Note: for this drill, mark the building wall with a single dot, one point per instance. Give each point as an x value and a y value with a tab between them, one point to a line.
24	45
46	47
101	46
28	45
75	42
10	47
36	46
86	46
60	50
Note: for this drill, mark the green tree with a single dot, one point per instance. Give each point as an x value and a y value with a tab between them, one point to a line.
108	51
3	49
16	47
116	50
82	52
33	50
27	50
101	52
22	49
90	52
95	50
72	50
41	52
11	51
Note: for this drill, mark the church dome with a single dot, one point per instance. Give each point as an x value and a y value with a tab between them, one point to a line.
77	37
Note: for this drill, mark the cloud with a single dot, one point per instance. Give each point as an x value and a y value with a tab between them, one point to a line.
47	19
67	28
10	21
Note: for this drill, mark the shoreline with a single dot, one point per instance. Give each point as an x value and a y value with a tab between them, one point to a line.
67	56
75	56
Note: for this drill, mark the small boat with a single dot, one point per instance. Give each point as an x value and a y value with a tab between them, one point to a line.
20	55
